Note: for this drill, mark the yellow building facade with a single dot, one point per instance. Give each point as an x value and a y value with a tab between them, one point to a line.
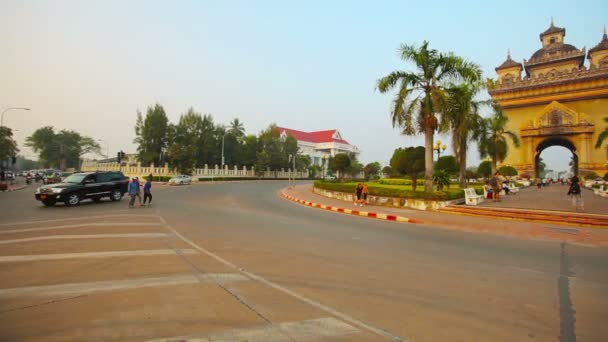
555	99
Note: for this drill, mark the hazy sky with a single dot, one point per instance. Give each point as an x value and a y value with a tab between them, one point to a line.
307	65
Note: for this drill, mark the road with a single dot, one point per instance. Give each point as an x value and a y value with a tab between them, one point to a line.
235	262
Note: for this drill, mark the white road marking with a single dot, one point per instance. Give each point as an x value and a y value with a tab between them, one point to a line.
287	331
88	236
40	257
114	285
79	218
81	225
332	311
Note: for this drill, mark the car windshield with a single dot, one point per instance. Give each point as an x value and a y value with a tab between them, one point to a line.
74	179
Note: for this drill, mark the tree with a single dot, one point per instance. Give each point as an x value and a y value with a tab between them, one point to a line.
471	173
152	135
447	164
493	137
237	129
426	89
63	149
485	169
409	161
462	113
371	170
541	168
8	145
182	141
602	136
340	163
387	171
508	171
248	151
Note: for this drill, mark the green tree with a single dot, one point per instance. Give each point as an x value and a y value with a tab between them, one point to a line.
151	135
421	94
303	162
602	136
441	178
387	171
485	169
409	161
271	150
462	113
447	164
471	173
237	128
372	170
63	149
508	171
8	145
182	141
249	150
340	163
493	137
541	168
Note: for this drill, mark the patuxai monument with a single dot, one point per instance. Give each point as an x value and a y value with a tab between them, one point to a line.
558	100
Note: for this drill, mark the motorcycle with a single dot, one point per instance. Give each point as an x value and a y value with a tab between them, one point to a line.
28	180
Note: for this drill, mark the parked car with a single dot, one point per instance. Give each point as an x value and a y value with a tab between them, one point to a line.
81	186
599	181
181	179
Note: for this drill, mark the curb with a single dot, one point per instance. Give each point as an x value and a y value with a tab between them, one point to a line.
368	214
16	189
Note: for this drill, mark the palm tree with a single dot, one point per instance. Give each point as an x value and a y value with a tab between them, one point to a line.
492	137
424	89
603	135
462	113
236	128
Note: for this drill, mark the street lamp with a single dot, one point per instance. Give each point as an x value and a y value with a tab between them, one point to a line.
439	147
107	147
224	136
6	110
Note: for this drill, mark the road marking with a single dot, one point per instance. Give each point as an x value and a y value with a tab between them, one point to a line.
286	331
114	285
78	218
40	257
88	236
82	225
331	311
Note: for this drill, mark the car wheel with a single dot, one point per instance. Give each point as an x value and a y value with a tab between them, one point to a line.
48	203
116	195
72	199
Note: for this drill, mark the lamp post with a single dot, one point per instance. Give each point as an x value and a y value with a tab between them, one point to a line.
6	110
223	137
107	147
323	164
439	147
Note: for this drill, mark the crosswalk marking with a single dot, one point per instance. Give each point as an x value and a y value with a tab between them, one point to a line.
39	257
82	225
114	285
85	236
287	331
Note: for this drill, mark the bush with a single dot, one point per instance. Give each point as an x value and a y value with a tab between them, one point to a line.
591	175
227	179
398	191
159	178
399	181
606	177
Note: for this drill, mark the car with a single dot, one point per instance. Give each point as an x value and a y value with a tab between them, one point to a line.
181	179
599	181
82	186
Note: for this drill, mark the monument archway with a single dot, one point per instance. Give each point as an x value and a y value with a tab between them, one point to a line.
550	142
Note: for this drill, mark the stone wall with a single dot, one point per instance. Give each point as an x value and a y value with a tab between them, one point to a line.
395	202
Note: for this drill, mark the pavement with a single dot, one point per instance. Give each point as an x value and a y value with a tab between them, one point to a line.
235	262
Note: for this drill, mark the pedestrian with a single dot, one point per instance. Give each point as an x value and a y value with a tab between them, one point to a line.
138	191
133	189
364	192
539	183
147	190
495	184
358	192
488	190
576	194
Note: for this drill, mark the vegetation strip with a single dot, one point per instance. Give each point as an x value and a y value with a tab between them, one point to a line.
350	211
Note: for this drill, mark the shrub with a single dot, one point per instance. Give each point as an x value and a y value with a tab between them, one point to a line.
606	177
591	175
399	181
159	178
398	191
226	179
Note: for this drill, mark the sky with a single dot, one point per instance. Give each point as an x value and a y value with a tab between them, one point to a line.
307	65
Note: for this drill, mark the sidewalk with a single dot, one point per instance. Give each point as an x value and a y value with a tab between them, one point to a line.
424	219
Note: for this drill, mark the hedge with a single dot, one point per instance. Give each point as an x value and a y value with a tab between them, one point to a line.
399	181
224	179
376	189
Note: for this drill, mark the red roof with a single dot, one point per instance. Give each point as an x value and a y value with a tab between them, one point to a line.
314	137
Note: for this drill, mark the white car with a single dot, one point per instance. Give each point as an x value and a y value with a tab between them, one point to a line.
181	179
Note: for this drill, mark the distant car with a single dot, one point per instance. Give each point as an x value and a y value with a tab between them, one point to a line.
181	179
599	180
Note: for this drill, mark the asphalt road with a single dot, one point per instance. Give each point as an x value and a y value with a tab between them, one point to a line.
311	274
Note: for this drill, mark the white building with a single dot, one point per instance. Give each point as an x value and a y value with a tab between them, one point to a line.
321	144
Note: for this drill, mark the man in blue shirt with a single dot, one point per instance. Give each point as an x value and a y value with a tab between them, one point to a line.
147	190
133	190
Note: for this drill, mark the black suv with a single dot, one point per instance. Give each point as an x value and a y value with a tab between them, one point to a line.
80	186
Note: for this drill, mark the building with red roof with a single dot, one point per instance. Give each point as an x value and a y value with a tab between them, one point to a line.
320	145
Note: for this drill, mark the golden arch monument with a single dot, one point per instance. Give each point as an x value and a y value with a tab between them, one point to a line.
558	102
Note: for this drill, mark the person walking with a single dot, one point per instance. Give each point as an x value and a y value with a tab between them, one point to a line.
147	190
364	192
138	191
133	189
576	194
495	184
358	192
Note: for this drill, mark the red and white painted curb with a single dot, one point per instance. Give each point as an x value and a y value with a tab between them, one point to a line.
351	211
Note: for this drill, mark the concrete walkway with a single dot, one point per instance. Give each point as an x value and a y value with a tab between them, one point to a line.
551	197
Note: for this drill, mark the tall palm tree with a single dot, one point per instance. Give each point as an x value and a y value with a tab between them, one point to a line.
462	113
421	93
603	135
236	128
493	137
